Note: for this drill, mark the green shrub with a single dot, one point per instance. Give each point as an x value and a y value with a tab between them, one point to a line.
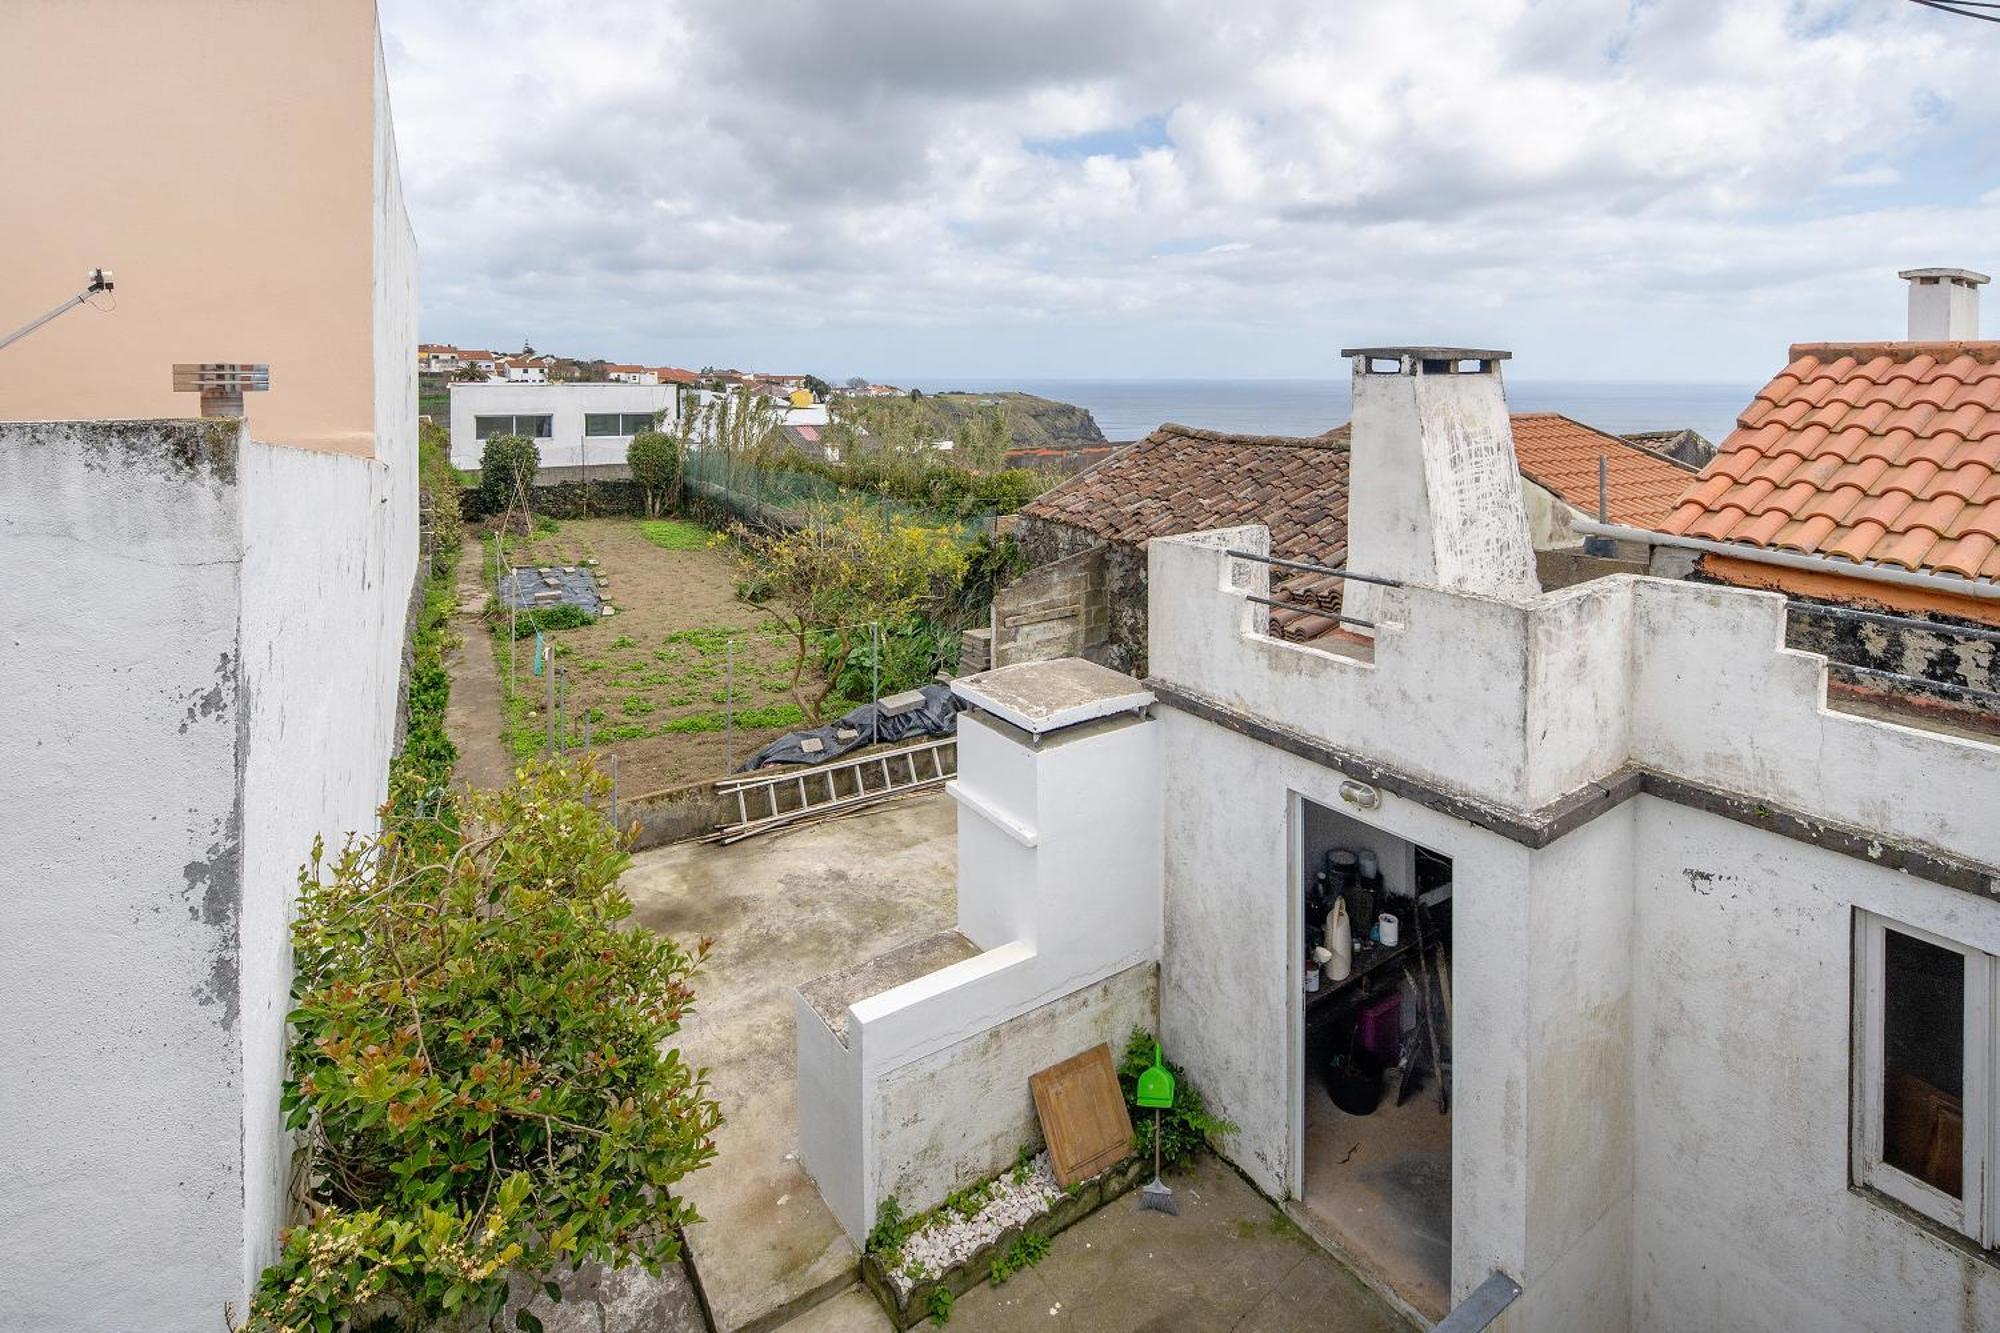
507	466
1185	1127
563	615
481	1066
654	458
938	1308
441	486
420	775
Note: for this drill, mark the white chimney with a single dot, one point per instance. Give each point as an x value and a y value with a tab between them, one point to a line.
1434	493
1944	304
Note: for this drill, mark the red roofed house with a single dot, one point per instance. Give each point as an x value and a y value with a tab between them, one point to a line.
1085	539
1559	458
1870	473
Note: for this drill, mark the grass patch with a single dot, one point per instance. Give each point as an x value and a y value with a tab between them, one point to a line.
564	616
672	534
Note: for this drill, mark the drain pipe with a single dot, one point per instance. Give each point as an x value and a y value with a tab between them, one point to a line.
1812	564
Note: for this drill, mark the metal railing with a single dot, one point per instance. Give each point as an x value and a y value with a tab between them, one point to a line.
1883	618
1310	568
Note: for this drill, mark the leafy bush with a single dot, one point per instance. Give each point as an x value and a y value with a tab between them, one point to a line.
938	1308
1029	1248
563	615
913	651
672	534
480	1065
420	775
506	470
1185	1127
440	482
654	458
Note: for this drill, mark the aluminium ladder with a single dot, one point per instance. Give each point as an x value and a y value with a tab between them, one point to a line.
767	800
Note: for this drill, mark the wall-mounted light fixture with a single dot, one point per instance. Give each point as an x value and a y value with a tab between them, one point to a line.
1360	795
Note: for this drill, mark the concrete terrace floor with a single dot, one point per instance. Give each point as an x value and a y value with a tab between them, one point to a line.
1228	1261
783	909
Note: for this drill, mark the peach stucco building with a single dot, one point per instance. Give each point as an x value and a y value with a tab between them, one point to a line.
221	157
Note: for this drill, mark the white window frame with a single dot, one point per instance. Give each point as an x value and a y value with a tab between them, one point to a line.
1977	1215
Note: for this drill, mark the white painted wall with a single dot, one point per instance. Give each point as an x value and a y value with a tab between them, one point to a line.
1059	881
1650	1120
1740	1070
961	1114
208	680
567	403
122	856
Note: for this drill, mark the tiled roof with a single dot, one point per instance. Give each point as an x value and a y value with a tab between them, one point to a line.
1179	479
1882	453
675	375
1560	455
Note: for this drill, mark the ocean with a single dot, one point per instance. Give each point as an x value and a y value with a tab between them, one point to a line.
1128	409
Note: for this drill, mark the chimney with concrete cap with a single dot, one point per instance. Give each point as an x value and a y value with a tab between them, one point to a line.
1944	304
1434	493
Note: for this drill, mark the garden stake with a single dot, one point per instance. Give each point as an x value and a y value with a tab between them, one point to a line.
1156	1089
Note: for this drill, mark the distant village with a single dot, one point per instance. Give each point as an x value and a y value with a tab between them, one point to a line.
476	365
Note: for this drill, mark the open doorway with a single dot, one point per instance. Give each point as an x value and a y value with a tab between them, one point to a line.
1376	1052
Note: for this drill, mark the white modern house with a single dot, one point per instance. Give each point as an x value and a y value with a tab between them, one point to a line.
207	620
1711	965
573	425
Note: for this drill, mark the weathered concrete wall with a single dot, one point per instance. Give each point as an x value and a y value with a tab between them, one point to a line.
1052	611
1575	971
1652	1030
120	966
1742	993
1122	644
328	558
1036	821
921	1155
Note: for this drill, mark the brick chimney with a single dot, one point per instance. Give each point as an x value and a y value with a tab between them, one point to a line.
1434	493
1944	303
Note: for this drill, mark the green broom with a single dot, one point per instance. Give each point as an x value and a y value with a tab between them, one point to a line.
1156	1090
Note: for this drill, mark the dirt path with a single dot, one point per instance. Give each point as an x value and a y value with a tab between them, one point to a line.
473	716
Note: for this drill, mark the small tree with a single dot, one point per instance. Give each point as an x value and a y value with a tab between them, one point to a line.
507	466
655	460
983	440
829	578
481	1065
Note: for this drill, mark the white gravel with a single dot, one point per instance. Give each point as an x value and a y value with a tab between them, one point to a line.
947	1238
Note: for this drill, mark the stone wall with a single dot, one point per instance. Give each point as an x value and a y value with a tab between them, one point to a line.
1051	611
1120	582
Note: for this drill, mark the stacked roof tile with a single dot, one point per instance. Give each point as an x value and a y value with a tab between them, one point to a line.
1560	456
1878	453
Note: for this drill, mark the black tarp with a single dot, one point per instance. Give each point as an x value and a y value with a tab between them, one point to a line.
937	717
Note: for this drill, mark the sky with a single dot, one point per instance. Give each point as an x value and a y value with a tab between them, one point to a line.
1633	190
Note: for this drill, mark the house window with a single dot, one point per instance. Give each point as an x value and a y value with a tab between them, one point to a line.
534	427
1926	1035
615	423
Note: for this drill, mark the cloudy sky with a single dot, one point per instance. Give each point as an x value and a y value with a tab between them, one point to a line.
1613	189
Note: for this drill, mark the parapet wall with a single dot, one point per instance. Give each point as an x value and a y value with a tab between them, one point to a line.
1520	704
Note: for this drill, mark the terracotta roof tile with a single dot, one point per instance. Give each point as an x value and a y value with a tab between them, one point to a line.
1179	479
1877	452
1560	456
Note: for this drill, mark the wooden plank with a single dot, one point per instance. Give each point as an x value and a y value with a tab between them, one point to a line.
1083	1115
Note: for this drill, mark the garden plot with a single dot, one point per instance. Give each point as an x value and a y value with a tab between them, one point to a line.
655	679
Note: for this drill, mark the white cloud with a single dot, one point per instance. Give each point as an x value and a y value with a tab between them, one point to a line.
1640	190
